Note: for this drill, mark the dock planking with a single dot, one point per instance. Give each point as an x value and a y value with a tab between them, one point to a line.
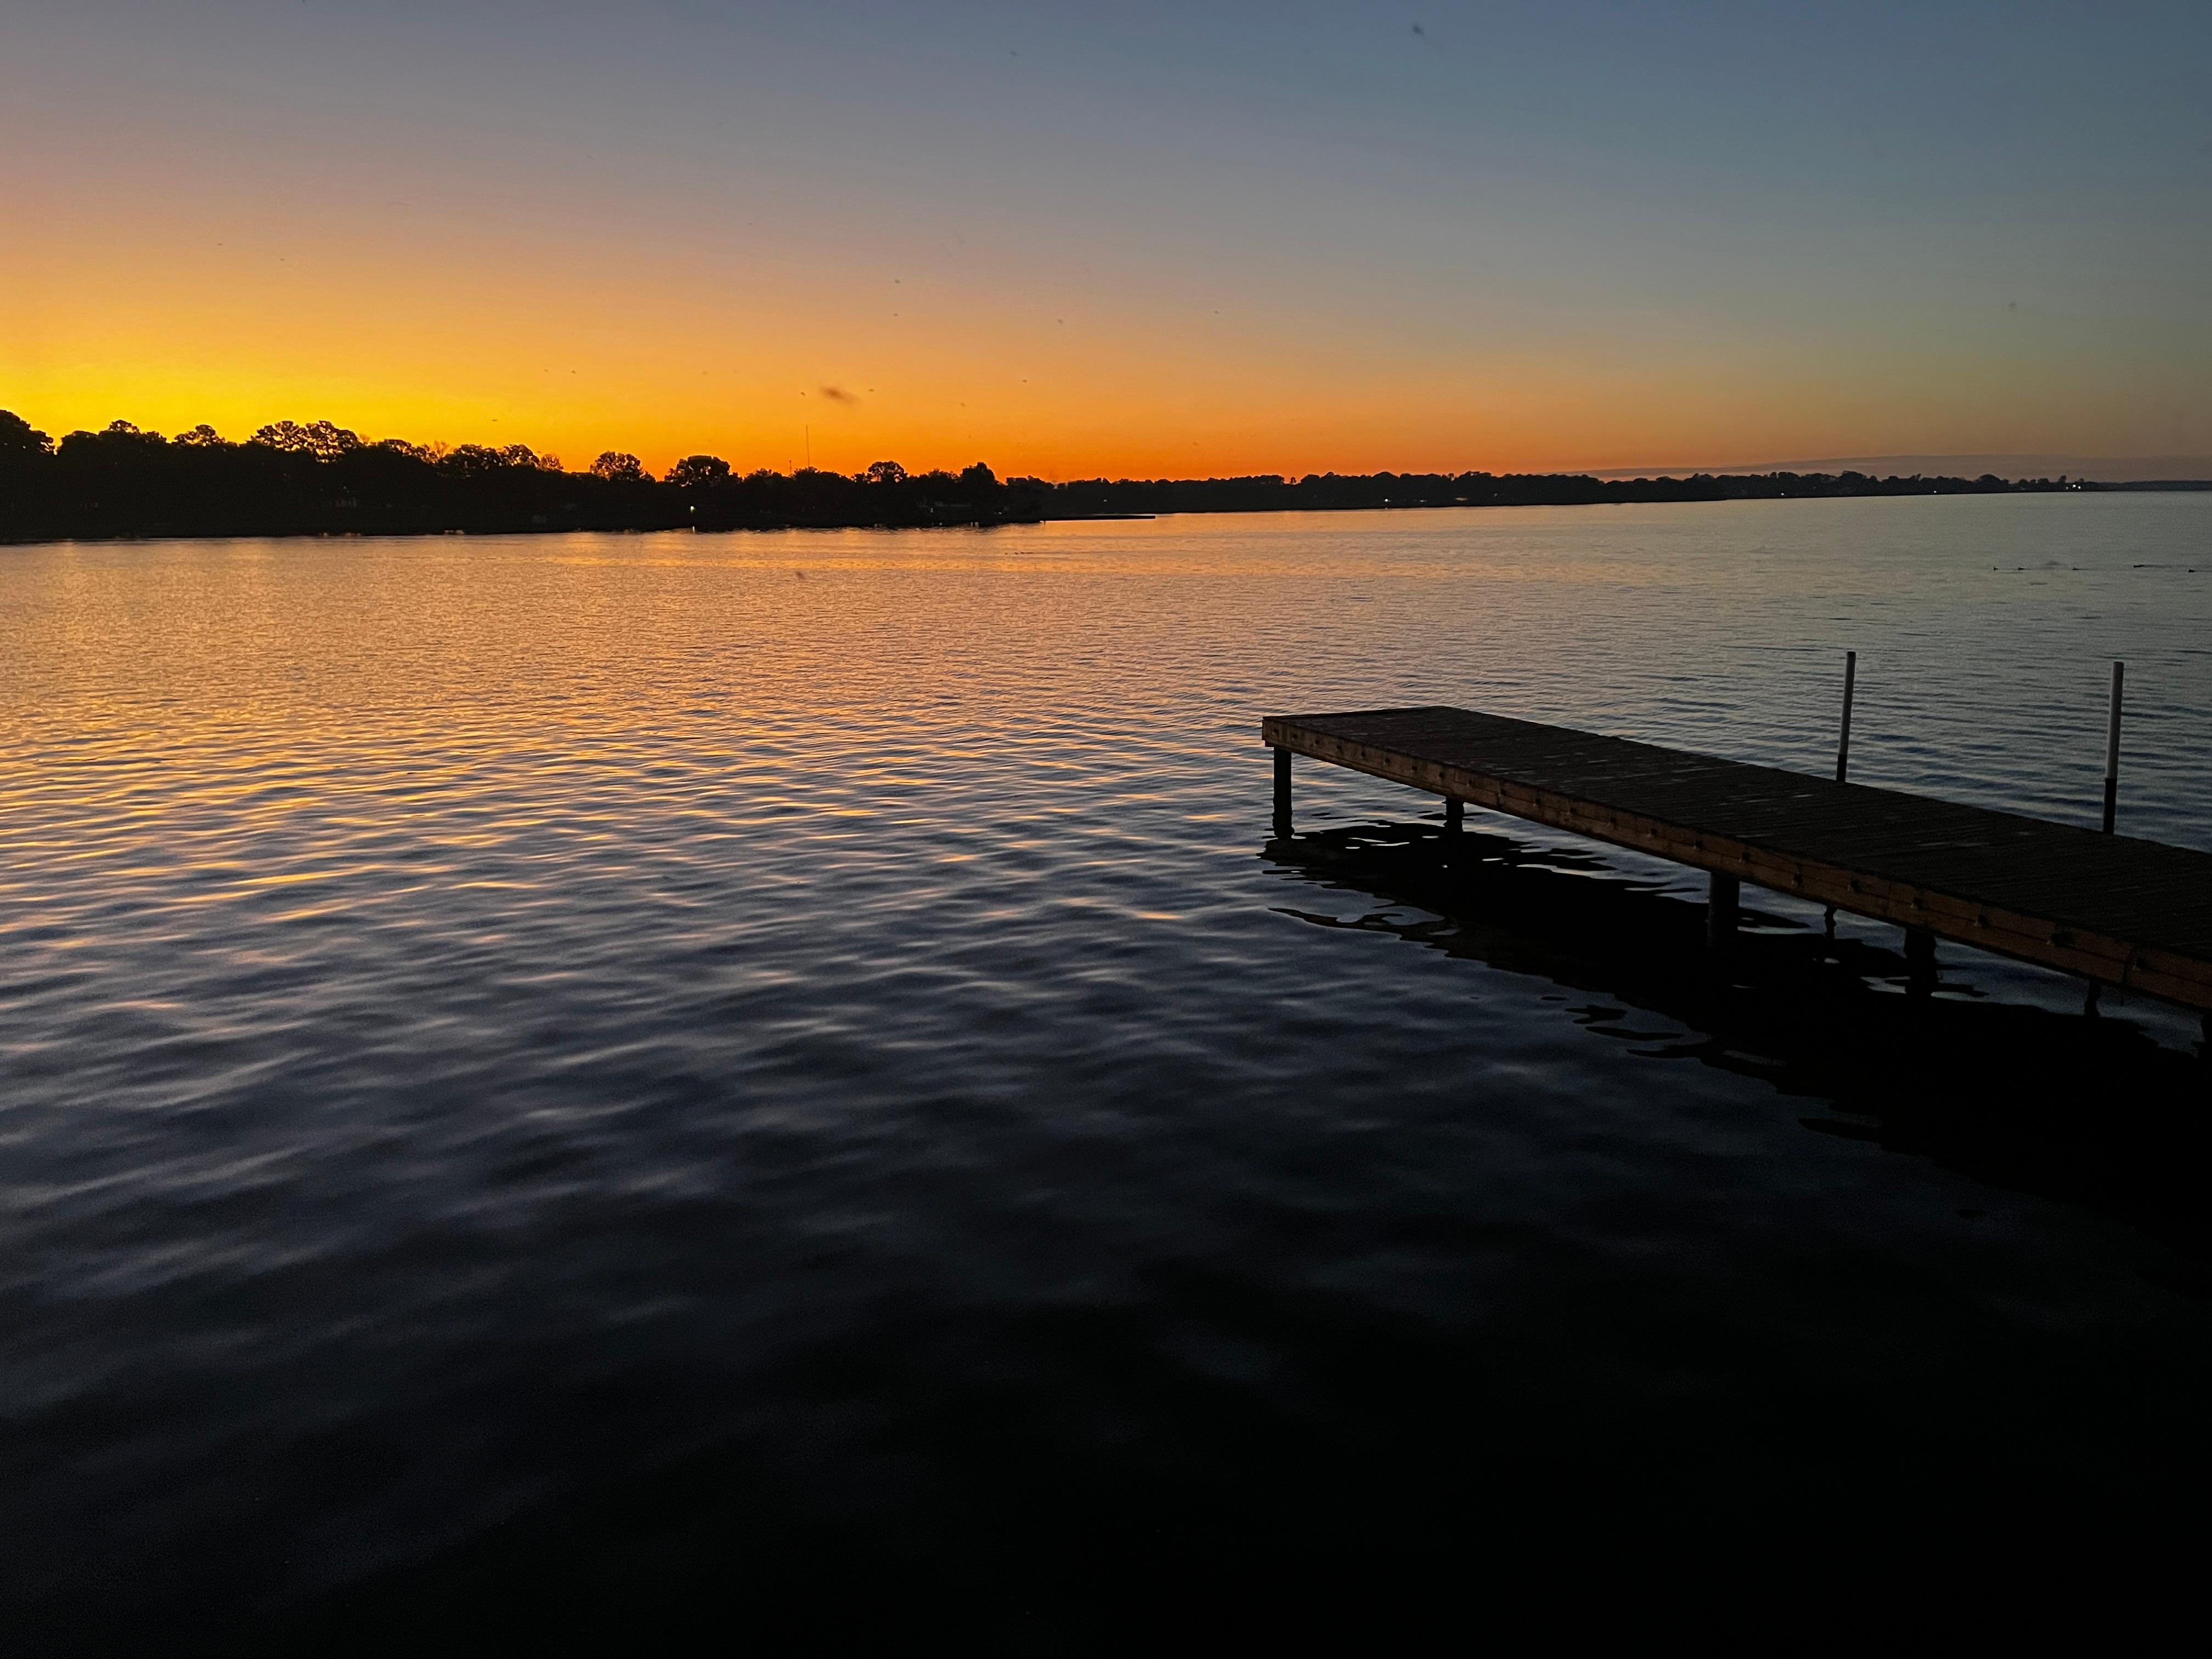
2111	909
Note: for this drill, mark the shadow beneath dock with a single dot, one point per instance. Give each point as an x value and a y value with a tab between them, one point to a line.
2090	1111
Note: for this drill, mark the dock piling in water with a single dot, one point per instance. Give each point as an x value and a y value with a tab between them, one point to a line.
1723	899
1282	792
1919	961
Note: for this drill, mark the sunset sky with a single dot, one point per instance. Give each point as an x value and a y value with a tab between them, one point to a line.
1134	239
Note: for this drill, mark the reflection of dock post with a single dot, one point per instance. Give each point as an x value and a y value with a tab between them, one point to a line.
1720	911
1919	961
1283	793
1455	814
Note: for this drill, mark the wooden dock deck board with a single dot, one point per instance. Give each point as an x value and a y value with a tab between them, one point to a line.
2113	908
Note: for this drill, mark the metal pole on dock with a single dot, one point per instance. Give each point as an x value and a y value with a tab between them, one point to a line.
2111	793
1843	749
1283	794
2113	750
1843	741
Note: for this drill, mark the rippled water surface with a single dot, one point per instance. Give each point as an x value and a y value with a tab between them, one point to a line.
781	1076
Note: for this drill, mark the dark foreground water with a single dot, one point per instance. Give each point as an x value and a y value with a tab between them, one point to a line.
774	1086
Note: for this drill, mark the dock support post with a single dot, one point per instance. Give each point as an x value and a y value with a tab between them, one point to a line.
1455	814
1919	962
1721	911
1283	793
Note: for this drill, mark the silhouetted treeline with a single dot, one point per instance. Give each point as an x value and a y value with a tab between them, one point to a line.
321	479
1270	492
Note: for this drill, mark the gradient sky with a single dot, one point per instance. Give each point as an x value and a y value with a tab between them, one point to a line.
1130	239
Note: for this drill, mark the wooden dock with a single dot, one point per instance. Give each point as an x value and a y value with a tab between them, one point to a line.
2113	909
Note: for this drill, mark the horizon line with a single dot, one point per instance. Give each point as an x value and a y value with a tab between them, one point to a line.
2136	468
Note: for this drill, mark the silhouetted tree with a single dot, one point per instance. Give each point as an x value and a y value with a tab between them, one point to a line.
473	460
618	466
327	441
202	436
322	439
19	437
883	472
979	476
698	472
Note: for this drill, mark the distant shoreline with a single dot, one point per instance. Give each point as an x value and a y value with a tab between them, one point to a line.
322	480
954	520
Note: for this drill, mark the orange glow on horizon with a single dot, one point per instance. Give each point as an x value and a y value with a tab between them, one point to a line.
676	231
514	337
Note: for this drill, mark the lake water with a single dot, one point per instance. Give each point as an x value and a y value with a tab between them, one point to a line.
779	1079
